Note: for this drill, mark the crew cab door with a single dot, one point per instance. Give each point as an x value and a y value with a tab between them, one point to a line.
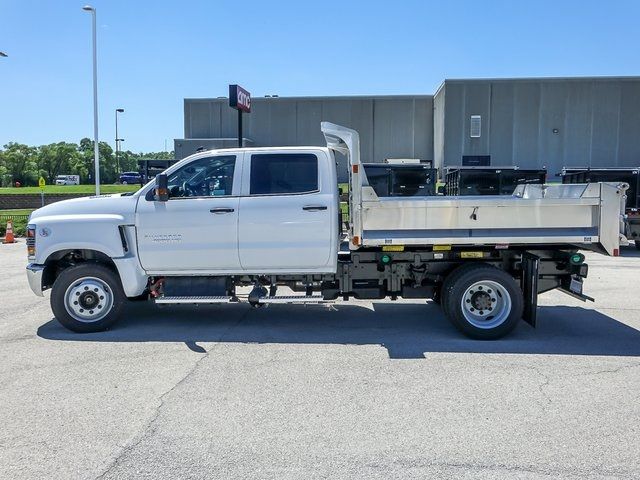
197	228
288	213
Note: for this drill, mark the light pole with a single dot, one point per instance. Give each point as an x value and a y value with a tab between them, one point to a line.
96	147
118	139
2	54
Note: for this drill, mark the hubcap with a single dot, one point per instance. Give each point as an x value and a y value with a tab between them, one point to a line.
88	299
486	304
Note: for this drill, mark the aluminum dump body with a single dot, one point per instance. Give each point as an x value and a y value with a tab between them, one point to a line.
589	216
585	215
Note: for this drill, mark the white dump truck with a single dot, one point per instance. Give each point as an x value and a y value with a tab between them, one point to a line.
265	218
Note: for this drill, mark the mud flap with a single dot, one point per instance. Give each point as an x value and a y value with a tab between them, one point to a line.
530	266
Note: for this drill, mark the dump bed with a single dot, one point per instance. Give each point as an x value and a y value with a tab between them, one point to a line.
588	216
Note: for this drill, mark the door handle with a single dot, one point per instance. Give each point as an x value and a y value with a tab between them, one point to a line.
221	210
314	208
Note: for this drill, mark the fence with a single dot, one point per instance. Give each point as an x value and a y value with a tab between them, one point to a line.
19	224
16	218
33	201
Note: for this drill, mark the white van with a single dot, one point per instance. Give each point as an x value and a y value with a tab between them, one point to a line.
68	180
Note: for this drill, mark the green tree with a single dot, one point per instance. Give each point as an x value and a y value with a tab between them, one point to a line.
108	172
157	155
58	158
5	177
20	163
25	164
128	161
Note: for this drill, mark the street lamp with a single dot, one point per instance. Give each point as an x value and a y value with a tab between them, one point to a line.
118	140
2	54
96	147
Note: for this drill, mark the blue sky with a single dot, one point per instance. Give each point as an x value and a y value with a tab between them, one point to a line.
153	54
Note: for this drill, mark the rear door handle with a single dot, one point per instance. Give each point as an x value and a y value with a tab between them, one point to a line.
314	208
222	210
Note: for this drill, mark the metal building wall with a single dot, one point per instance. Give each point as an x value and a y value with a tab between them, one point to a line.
389	126
540	122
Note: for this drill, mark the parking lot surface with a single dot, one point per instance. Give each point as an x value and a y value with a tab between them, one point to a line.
375	390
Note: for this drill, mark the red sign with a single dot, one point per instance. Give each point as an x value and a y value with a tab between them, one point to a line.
239	98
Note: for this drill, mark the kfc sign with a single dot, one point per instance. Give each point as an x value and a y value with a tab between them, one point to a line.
239	98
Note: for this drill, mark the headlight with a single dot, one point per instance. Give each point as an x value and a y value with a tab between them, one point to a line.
31	242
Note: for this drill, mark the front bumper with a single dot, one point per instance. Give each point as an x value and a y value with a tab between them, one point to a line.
34	275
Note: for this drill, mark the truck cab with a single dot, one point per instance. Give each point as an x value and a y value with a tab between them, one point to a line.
238	211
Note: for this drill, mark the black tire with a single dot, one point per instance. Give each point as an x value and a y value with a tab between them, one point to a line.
637	242
490	327
106	282
437	295
446	287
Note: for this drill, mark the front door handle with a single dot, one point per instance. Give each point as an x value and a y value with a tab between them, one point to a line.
314	208
221	210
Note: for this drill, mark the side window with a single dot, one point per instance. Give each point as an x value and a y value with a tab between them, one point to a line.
206	177
283	173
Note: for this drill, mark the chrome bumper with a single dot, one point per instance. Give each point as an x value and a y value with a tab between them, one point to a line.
34	275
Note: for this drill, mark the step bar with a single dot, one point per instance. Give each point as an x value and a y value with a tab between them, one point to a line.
285	299
292	299
196	300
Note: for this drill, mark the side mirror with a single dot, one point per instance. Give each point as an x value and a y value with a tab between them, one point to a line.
162	191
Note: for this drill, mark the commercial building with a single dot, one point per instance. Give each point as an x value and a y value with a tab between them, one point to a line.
530	123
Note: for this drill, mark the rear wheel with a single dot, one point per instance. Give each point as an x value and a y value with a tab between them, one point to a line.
87	298
482	301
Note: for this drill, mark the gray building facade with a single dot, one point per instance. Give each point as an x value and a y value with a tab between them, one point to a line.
530	123
389	126
536	123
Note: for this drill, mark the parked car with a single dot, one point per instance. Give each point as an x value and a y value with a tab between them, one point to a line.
68	180
130	177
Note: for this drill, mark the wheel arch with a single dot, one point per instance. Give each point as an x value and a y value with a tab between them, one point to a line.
60	260
454	288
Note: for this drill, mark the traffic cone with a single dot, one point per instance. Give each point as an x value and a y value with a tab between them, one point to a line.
8	236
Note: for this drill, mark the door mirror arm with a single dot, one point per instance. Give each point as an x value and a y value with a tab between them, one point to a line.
161	189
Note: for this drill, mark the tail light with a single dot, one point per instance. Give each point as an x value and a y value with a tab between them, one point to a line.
31	242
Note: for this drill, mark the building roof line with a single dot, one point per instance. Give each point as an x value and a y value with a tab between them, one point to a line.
321	98
602	78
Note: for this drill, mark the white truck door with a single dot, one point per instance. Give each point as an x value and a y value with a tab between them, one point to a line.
288	213
197	228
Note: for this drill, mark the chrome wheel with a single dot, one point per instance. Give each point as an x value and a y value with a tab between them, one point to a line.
486	304
88	299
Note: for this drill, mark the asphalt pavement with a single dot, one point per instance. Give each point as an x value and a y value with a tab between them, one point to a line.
371	390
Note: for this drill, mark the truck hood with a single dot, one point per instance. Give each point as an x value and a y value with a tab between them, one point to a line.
120	205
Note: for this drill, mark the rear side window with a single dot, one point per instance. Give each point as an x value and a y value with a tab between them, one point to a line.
283	173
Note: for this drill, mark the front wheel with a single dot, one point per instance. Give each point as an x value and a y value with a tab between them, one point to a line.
483	301
87	298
